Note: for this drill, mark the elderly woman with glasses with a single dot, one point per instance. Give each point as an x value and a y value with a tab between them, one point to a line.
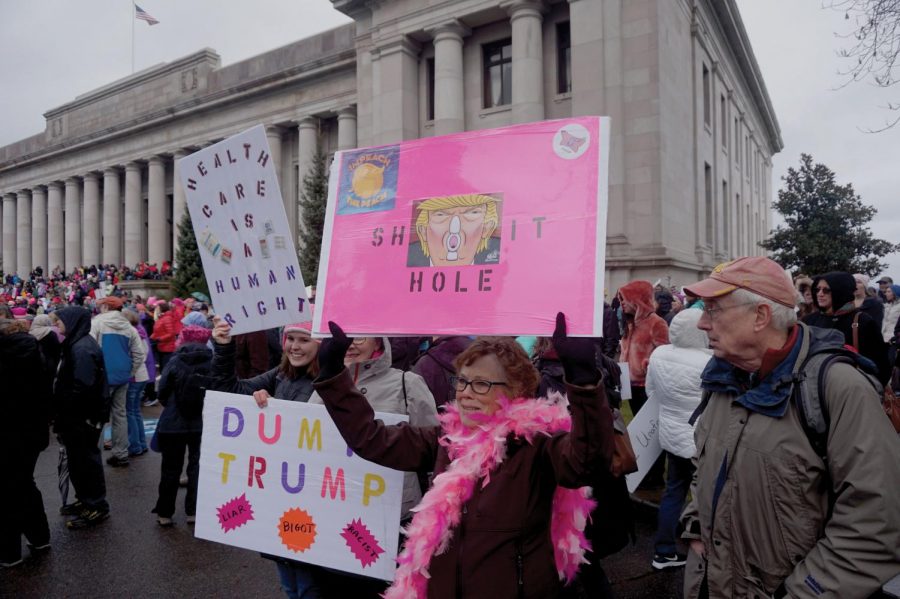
505	514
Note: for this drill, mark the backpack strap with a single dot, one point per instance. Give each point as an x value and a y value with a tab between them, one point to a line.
403	385
855	327
703	403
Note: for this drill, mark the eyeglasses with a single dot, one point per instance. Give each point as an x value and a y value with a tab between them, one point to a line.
824	290
714	312
480	387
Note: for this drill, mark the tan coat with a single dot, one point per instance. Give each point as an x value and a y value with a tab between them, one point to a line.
771	524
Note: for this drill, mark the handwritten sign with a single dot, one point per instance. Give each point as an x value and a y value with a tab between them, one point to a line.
643	430
282	481
483	232
247	249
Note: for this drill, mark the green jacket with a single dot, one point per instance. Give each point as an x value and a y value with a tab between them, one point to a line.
774	522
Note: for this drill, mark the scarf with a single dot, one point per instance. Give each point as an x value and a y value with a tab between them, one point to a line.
474	453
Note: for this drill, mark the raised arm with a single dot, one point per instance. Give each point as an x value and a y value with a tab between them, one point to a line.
402	447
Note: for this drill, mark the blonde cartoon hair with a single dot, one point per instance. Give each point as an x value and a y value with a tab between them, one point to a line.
470	199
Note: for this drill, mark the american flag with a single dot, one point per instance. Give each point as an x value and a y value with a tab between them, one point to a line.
143	15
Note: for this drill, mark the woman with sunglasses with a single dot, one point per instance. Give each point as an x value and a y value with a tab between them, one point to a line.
833	295
505	514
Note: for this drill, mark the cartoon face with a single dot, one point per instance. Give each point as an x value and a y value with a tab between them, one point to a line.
454	234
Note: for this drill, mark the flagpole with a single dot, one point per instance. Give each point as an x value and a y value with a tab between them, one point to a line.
132	37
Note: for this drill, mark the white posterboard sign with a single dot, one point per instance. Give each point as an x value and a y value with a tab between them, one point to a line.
643	430
625	380
281	480
242	232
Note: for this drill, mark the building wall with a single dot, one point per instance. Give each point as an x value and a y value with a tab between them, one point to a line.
641	62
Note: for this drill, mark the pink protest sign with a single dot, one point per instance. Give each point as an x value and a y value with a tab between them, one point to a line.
487	232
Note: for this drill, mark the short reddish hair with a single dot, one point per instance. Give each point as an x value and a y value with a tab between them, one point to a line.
523	376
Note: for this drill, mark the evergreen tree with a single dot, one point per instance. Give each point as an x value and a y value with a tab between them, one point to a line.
825	225
313	199
189	275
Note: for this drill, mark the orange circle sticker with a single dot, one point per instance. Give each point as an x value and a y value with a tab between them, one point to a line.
297	530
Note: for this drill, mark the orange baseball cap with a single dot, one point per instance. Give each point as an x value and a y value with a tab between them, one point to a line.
760	275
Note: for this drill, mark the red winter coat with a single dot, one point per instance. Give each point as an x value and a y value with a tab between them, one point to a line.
165	331
643	334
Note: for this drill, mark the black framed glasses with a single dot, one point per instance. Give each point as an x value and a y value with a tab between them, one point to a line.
480	387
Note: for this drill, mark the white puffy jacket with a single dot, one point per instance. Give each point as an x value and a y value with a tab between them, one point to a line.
673	378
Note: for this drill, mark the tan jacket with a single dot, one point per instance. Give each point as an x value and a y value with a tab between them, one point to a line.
772	524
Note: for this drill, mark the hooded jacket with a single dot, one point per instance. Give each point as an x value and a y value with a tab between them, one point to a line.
673	378
79	394
644	332
382	386
843	313
166	330
123	351
189	359
26	395
783	515
435	366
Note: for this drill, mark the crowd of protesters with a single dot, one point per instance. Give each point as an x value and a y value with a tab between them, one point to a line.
755	506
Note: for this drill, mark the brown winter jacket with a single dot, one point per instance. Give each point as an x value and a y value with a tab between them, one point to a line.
502	547
771	525
643	334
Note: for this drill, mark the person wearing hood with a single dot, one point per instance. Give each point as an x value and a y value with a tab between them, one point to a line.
165	331
386	389
80	410
181	388
24	433
643	332
123	356
833	294
48	340
291	380
673	379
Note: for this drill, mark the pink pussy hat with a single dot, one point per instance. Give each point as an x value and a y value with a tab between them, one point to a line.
298	327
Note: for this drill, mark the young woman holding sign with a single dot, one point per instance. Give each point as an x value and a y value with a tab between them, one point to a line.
292	380
505	514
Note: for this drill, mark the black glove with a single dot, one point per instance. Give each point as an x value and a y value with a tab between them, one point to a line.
576	355
331	353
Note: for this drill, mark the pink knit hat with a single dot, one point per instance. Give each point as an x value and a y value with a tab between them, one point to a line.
298	327
193	334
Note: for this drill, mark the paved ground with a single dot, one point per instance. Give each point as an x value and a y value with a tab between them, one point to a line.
130	556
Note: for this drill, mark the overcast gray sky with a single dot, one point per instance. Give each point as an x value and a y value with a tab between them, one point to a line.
54	50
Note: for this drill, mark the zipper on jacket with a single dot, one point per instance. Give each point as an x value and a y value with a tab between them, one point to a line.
520	570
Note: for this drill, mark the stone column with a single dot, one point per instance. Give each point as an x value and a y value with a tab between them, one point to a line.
179	205
157	246
133	220
39	228
23	233
9	233
91	255
56	255
73	224
449	100
307	145
397	89
112	217
347	128
527	60
273	136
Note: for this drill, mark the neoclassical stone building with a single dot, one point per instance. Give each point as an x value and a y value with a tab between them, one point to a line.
693	127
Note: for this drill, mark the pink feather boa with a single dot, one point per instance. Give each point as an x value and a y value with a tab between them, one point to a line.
474	453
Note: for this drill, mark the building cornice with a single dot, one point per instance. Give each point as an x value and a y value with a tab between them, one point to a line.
206	55
729	18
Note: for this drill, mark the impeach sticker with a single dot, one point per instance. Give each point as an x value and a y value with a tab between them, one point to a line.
297	530
362	543
368	180
235	513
